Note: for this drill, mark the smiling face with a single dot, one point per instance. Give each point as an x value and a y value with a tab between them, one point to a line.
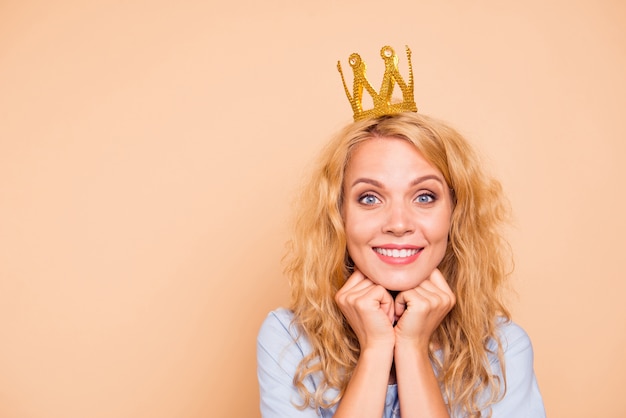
396	210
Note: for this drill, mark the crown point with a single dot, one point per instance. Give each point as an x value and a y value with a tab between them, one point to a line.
383	104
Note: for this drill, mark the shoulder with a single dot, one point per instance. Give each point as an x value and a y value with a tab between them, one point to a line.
280	340
511	333
281	347
280	350
280	318
517	349
521	396
513	338
277	326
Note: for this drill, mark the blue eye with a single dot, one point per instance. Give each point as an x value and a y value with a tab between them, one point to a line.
369	199
425	198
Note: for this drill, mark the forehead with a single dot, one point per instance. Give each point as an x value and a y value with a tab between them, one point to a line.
387	154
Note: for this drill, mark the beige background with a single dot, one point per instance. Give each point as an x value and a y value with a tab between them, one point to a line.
149	152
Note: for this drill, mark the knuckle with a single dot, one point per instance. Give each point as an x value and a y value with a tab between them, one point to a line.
360	303
338	296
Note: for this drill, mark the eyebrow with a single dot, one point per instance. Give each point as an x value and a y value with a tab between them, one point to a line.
413	183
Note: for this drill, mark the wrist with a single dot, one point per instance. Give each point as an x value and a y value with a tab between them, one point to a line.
376	361
411	346
378	349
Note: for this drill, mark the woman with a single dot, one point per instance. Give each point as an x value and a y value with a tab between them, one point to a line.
396	269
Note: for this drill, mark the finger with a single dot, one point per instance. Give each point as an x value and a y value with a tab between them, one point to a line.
372	296
356	281
431	303
425	298
364	295
427	288
421	302
355	278
359	292
402	301
417	295
387	304
438	280
431	300
437	296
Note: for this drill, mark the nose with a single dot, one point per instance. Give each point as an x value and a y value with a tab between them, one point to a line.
399	220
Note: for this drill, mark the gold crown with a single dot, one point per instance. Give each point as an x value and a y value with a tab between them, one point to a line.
382	100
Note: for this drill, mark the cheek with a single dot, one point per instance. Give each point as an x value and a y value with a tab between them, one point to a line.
438	230
358	232
445	220
350	222
438	233
444	229
353	234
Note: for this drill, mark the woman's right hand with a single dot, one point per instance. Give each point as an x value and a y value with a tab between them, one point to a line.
369	309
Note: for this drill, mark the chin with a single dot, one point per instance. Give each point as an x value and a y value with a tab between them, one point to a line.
400	287
400	283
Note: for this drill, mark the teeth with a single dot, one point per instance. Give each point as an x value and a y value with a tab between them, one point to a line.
395	253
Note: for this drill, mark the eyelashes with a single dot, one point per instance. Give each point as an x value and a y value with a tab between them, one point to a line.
423	198
426	198
369	199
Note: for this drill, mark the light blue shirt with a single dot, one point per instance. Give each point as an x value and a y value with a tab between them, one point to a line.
281	347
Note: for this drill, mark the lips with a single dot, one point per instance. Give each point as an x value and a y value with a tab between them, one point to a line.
397	253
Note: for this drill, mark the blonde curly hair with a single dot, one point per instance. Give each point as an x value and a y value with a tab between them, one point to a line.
476	264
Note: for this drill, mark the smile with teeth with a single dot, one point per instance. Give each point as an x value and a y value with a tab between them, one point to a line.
397	253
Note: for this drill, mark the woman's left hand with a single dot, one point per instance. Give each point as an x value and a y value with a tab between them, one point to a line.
419	311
